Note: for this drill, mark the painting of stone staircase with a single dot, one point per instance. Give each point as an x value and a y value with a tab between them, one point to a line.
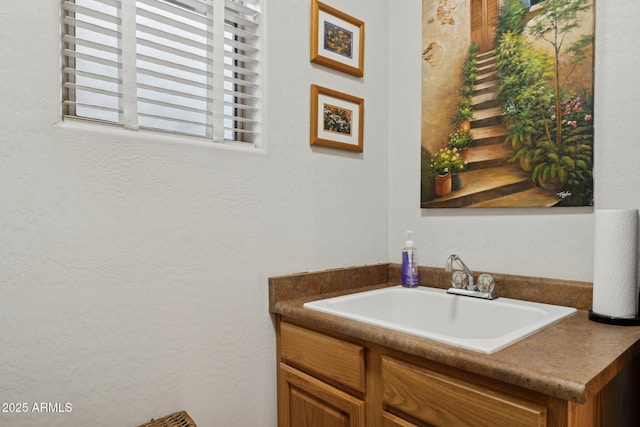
518	107
490	180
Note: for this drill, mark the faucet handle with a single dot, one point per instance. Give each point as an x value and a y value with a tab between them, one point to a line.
485	283
459	279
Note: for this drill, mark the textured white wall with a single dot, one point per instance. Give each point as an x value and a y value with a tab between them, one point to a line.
539	242
133	269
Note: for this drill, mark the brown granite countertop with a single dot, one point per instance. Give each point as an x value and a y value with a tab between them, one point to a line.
572	359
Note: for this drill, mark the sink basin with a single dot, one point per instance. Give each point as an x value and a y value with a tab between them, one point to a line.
471	323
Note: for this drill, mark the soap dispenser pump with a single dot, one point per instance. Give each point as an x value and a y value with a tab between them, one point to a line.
410	263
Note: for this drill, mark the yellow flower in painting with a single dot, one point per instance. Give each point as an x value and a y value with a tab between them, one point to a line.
445	161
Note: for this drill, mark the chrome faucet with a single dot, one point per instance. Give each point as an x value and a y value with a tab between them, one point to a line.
469	273
484	288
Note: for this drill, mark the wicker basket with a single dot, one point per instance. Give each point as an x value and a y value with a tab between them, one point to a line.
178	419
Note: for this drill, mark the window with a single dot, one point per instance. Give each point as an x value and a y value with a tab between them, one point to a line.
182	66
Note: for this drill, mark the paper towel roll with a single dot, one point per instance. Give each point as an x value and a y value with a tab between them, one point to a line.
615	267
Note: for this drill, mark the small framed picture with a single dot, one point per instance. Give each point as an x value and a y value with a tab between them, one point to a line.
337	39
337	119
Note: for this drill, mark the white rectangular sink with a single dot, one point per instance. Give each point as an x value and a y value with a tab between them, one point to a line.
471	323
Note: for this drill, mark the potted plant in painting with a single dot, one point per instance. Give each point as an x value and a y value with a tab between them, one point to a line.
463	116
460	140
468	90
569	163
550	127
444	164
470	67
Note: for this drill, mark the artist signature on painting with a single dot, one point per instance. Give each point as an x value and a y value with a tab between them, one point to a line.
563	194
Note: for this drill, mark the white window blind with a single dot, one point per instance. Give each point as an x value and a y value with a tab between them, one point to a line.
184	66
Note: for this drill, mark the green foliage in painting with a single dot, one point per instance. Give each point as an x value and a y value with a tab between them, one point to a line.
511	18
551	130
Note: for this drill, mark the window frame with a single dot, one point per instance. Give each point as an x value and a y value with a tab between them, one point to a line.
233	90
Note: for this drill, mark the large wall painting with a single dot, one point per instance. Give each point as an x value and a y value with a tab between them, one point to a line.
507	103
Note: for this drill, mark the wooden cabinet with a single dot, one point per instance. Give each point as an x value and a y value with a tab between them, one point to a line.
441	400
390	420
330	380
323	356
307	401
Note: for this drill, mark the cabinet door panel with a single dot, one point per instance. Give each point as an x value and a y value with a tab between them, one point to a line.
390	420
326	356
308	411
305	401
445	401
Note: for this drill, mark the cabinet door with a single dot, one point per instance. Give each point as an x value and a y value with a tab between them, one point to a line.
305	401
444	401
323	356
390	420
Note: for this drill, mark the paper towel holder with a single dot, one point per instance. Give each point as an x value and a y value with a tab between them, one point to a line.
611	320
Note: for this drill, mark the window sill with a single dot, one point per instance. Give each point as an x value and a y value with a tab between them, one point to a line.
87	127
